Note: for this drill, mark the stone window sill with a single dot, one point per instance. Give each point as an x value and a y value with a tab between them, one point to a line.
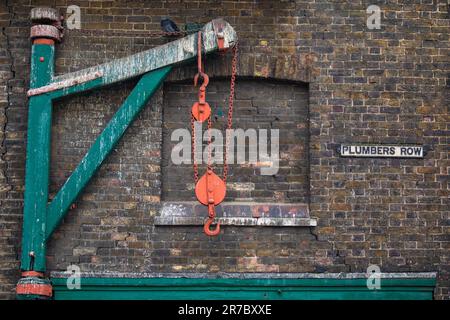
191	213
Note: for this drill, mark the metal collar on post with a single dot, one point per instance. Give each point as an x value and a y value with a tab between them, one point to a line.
47	25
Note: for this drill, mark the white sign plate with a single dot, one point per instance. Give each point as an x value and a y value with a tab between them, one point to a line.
381	151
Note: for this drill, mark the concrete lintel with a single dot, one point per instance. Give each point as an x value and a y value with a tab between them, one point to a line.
236	221
232	209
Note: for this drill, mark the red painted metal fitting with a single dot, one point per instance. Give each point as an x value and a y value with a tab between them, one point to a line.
32	285
32	274
218	27
49	42
221	42
47	25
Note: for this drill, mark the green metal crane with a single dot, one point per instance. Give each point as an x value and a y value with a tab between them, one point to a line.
41	218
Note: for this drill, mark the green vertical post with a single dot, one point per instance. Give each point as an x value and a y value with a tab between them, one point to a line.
37	161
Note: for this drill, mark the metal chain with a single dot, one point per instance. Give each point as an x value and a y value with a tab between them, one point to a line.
199	52
200	67
230	109
209	143
229	118
195	165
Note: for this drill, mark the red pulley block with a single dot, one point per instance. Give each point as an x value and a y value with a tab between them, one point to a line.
201	111
210	189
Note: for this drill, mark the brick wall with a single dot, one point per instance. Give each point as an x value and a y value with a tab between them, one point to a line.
379	86
10	198
258	105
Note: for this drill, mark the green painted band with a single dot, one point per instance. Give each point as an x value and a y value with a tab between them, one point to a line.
413	282
198	288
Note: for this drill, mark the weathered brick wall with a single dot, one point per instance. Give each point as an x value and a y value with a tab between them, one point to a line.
379	86
10	199
258	105
115	220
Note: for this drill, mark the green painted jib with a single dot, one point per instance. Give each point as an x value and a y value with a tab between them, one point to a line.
246	289
37	161
85	86
169	54
102	146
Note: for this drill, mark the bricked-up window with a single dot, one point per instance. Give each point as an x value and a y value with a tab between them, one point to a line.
259	104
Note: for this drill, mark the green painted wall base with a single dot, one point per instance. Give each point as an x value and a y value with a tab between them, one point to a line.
243	289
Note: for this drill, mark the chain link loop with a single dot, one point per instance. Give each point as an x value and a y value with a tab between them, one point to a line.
230	110
195	165
209	143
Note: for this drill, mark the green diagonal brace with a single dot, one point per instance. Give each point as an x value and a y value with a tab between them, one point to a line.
137	99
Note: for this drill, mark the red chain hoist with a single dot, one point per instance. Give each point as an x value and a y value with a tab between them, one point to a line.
210	189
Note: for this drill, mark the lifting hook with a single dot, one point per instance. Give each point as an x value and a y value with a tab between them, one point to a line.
205	78
206	229
209	221
200	64
201	109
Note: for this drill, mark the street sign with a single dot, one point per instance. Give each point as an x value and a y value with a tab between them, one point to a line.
381	151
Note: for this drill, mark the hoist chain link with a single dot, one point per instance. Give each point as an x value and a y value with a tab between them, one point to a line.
209	143
230	110
195	165
211	189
